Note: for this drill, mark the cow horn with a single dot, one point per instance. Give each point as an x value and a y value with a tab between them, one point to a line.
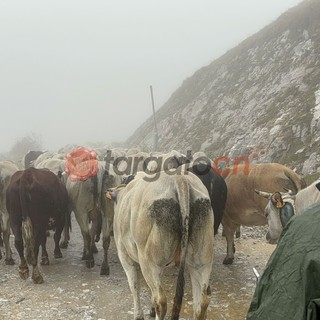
288	191
263	194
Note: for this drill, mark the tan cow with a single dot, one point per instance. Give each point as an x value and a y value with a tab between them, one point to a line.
156	222
244	206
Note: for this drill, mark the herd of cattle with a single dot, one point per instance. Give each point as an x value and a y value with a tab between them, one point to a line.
162	209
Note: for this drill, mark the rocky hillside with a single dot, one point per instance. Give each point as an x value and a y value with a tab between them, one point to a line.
261	99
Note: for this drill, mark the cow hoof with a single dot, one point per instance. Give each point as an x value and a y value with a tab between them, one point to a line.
24	273
58	255
152	312
64	245
44	261
90	263
37	279
104	271
9	262
228	260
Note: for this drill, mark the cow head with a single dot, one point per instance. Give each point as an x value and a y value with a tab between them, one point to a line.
279	210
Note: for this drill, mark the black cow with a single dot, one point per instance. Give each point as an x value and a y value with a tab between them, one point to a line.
216	187
30	157
36	200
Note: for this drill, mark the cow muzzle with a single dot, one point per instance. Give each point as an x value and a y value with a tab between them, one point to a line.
269	239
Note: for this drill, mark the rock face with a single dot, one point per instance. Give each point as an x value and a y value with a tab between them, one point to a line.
261	99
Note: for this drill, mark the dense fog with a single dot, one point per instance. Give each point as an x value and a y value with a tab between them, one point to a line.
78	72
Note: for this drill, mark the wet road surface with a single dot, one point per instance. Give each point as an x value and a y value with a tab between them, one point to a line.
71	291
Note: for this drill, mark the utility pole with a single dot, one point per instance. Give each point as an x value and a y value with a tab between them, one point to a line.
156	136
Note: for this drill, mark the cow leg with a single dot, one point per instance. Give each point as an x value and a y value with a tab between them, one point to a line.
1	241
105	270
23	267
57	236
93	233
66	237
130	268
99	227
40	238
199	261
151	274
36	275
44	254
229	231
238	232
87	253
95	217
66	231
200	283
106	231
6	240
83	221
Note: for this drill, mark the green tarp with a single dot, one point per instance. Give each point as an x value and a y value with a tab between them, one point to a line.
289	287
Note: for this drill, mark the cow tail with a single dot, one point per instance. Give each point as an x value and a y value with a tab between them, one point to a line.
296	181
97	190
182	188
27	229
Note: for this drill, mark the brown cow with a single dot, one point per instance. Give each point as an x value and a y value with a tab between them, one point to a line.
244	206
36	200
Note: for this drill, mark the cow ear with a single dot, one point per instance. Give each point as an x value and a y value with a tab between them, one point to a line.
113	193
277	200
108	195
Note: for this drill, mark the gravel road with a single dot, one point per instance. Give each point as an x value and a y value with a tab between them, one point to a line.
71	291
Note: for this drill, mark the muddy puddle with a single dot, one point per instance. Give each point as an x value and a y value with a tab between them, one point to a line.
71	291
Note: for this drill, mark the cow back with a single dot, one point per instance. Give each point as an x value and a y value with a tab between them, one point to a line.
243	205
37	193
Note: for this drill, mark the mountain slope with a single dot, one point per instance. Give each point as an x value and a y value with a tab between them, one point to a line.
261	99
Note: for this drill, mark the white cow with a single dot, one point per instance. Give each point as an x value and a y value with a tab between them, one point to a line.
54	165
7	169
283	206
161	222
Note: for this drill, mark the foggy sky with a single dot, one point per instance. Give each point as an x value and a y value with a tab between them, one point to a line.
74	71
